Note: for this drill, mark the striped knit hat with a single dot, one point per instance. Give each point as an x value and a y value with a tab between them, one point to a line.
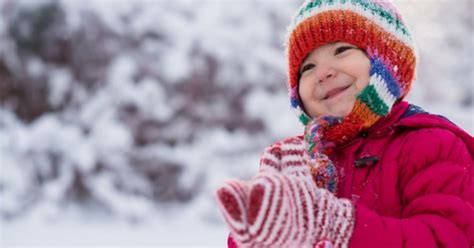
374	26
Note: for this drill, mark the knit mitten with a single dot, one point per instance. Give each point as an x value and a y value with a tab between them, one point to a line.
284	210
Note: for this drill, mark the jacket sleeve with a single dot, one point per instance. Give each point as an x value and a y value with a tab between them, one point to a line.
437	195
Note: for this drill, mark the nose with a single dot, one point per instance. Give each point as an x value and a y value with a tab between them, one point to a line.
325	72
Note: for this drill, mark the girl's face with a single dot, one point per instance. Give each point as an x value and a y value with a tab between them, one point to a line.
331	77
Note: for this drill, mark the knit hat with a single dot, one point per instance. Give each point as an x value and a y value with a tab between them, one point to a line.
374	26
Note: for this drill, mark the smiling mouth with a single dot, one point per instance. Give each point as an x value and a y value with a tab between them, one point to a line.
335	92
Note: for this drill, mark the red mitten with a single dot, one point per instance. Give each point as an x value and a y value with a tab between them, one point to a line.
233	203
284	210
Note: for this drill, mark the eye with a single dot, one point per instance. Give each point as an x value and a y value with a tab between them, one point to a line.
307	67
342	49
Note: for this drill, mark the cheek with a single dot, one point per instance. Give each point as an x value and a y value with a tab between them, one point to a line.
363	77
359	67
304	90
361	83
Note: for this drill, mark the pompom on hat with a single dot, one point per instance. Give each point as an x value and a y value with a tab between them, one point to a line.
374	26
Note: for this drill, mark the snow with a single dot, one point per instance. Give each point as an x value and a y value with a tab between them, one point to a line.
59	83
40	160
269	106
155	232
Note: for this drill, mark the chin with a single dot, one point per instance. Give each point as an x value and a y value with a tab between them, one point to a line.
341	112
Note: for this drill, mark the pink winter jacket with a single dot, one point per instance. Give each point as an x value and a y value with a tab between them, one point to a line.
411	179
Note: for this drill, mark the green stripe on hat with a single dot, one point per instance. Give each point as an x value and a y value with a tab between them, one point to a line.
372	7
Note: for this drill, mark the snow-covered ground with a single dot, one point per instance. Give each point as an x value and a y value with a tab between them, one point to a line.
174	230
237	34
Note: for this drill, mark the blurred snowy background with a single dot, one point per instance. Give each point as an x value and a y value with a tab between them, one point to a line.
118	119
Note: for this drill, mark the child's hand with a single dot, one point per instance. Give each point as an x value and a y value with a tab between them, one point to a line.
284	210
288	157
291	157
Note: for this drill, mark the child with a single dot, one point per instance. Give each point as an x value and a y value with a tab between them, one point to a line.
370	169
